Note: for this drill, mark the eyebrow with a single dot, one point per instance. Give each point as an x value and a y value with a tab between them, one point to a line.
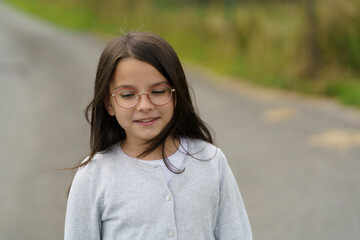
131	86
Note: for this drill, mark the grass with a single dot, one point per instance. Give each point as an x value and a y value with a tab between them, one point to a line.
263	44
348	92
66	15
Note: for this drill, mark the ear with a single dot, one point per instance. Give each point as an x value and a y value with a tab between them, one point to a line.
109	106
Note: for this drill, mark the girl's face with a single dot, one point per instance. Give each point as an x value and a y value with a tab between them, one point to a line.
145	120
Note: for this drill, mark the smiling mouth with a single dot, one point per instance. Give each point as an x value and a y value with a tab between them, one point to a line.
146	120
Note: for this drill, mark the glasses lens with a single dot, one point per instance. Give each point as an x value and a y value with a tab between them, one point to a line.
126	97
160	94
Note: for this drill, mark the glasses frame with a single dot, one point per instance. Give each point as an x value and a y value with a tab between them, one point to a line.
138	95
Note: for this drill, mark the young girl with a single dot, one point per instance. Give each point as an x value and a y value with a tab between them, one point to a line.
153	172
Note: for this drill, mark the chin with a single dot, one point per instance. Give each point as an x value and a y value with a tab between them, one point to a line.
147	137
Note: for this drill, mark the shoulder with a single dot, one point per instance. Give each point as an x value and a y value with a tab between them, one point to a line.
206	152
103	163
203	150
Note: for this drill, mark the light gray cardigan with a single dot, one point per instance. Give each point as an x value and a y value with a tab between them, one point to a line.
116	197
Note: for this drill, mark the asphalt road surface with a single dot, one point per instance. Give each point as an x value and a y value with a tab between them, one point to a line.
296	159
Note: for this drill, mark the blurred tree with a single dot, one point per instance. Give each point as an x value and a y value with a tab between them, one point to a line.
312	45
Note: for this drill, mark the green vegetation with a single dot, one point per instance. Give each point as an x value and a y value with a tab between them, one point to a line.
289	44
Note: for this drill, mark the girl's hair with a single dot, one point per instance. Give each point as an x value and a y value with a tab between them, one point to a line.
148	47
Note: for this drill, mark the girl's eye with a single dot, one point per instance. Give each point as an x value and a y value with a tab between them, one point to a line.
160	90
127	95
157	92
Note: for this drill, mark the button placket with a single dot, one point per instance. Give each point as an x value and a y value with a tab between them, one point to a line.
169	202
171	233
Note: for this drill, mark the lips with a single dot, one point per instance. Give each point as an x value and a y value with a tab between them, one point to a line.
146	120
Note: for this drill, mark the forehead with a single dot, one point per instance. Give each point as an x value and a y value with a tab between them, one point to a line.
131	72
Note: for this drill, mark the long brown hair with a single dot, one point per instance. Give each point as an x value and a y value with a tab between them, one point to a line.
148	47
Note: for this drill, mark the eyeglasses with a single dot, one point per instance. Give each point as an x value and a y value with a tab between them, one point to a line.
129	97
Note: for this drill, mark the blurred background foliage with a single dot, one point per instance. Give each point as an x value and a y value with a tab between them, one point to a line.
312	46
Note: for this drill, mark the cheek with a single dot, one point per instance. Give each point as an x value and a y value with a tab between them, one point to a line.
170	110
123	117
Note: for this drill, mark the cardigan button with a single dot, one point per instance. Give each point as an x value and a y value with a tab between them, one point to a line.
171	234
167	197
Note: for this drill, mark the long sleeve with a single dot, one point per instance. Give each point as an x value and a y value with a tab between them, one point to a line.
82	220
232	221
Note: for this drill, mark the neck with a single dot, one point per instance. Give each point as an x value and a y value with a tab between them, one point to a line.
134	149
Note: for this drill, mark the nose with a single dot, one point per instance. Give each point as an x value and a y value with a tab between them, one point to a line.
144	103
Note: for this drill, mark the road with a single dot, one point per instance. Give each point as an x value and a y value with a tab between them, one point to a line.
296	159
